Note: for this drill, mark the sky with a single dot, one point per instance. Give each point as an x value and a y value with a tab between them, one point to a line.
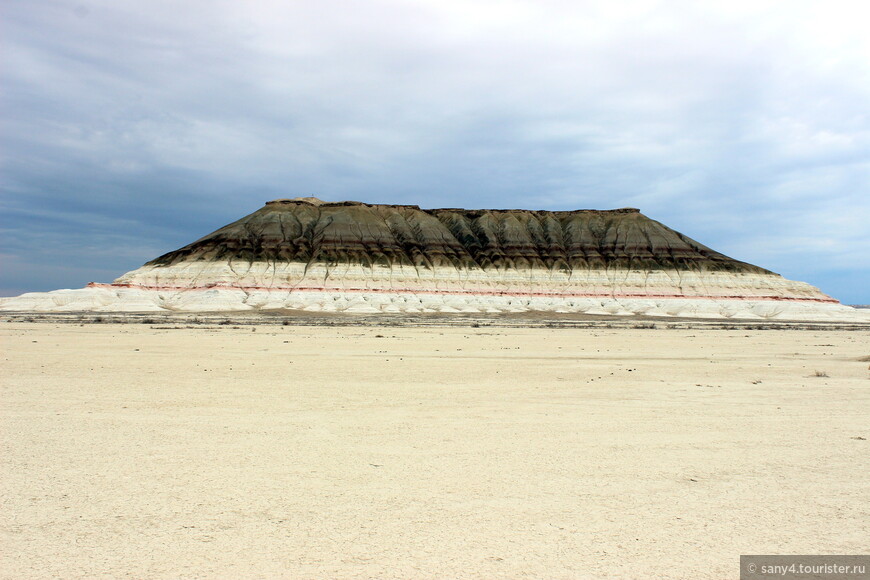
131	128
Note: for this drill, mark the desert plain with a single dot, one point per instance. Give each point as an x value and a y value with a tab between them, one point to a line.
173	450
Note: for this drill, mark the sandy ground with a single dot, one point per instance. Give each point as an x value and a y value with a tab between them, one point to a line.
306	452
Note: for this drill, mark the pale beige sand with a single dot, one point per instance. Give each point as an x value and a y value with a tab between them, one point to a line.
304	452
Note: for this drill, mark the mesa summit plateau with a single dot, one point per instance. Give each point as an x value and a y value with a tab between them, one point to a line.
349	256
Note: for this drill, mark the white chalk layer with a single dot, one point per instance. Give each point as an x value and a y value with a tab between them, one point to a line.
124	299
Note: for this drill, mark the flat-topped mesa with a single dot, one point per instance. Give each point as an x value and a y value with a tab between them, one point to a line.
310	254
349	232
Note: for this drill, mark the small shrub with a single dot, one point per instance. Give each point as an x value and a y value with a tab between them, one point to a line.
820	374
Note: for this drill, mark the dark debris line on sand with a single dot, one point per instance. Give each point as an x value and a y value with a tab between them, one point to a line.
518	320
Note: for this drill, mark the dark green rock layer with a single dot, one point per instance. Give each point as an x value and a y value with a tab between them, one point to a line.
310	231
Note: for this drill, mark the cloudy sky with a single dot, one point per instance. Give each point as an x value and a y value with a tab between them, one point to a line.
131	128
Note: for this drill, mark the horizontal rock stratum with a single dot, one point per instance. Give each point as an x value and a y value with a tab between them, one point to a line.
307	254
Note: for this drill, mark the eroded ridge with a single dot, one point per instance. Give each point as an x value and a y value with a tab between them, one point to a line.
304	253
